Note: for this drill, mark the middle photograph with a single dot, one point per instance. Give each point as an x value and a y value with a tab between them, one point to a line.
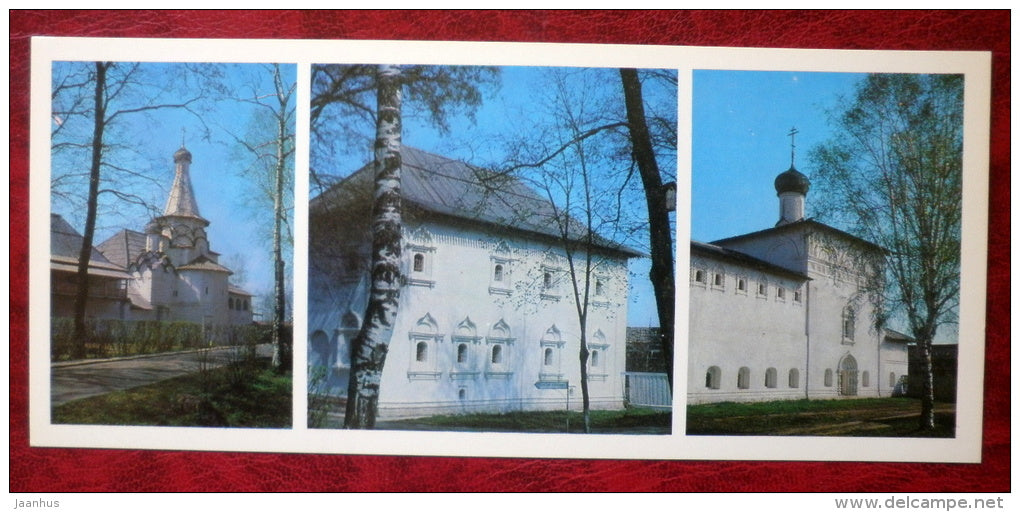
491	249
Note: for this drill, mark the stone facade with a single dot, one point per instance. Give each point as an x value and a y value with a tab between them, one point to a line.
789	312
486	319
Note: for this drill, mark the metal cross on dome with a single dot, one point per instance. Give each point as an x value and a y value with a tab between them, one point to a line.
793	146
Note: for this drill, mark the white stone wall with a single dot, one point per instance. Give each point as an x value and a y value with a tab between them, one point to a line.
454	298
732	328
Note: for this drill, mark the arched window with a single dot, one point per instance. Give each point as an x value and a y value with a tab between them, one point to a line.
717	280
547	357
594	358
828	377
770	378
865	379
497	273
848	376
497	354
600	287
461	393
419	262
742	284
699	276
744	378
547	280
794	378
421	351
462	353
230	303
849	319
713	377
892	379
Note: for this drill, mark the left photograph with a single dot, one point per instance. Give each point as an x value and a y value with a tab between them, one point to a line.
171	248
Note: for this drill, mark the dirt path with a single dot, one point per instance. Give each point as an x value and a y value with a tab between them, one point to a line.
74	380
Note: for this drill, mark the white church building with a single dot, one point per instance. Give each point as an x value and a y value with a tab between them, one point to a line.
789	312
486	318
166	273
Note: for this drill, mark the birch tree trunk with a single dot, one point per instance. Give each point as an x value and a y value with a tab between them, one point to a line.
370	346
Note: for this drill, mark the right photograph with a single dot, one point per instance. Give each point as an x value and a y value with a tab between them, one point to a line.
825	254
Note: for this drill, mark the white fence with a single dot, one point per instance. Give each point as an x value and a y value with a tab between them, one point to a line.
648	390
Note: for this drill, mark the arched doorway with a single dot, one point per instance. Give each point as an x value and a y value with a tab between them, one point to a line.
848	376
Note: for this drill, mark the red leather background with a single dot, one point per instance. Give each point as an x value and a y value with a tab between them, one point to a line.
51	470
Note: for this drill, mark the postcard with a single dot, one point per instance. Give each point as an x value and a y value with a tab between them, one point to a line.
508	249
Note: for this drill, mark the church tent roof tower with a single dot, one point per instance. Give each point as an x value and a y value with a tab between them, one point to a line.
181	201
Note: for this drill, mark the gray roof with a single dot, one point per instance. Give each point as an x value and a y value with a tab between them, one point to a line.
744	260
124	247
453	188
65	247
809	223
181	201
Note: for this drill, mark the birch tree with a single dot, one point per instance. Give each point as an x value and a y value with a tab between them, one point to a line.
894	173
340	103
269	146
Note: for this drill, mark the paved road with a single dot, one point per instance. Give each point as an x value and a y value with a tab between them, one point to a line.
82	379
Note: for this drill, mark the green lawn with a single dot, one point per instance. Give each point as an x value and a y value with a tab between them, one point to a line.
872	417
633	421
245	394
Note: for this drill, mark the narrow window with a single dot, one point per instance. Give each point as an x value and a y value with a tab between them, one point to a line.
796	296
699	276
762	289
594	358
770	378
892	379
547	280
600	287
230	303
794	378
781	293
462	353
497	273
548	357
497	354
828	377
461	393
421	352
717	280
848	323
713	377
744	378
865	379
742	284
419	262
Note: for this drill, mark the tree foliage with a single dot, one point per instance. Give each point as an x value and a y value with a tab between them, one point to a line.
894	174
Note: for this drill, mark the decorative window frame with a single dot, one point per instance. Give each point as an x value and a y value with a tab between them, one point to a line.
699	277
780	293
551	288
718	280
421	277
763	289
499	336
741	285
598	343
551	376
465	335
603	284
504	286
425	331
848	325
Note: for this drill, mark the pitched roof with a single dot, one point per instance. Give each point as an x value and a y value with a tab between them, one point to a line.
204	263
124	247
800	224
65	247
453	188
744	260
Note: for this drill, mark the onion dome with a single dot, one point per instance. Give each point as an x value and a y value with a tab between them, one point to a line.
182	154
792	181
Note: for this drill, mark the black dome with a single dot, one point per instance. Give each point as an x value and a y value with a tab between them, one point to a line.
792	181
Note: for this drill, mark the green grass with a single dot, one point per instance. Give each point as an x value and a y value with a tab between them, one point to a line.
245	394
616	422
873	417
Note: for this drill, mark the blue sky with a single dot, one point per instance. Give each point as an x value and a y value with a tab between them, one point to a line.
740	124
215	173
506	114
